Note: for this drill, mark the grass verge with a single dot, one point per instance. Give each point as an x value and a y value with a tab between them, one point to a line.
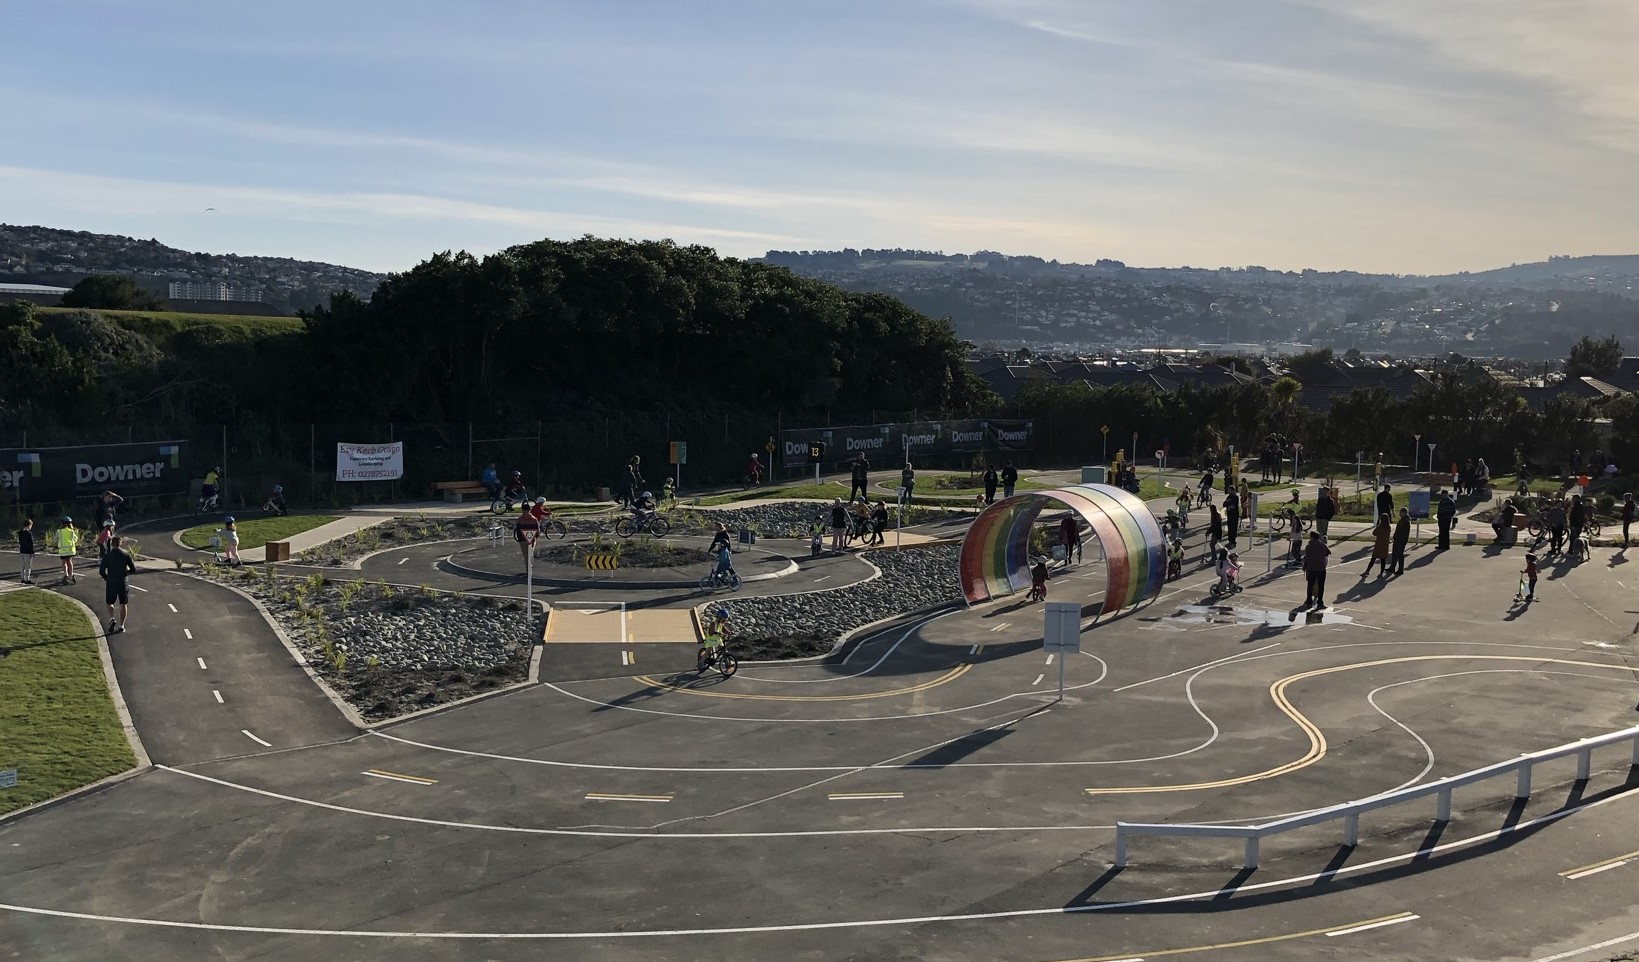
256	532
58	726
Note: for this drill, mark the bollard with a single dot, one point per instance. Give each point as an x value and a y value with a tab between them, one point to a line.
1120	848
1251	860
1523	788
1584	764
1351	829
1442	812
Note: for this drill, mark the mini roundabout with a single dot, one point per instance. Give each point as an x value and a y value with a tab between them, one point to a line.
926	790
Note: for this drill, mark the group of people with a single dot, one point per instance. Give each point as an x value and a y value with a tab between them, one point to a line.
1007	478
857	516
114	562
1471	478
1273	452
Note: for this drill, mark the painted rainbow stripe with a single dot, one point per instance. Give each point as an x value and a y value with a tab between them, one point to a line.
996	551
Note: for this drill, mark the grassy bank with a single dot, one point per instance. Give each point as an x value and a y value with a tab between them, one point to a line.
256	532
58	726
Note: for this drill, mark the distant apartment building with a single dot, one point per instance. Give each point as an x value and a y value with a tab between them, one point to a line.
212	291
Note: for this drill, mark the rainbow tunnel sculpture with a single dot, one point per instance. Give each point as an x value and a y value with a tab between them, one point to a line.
996	550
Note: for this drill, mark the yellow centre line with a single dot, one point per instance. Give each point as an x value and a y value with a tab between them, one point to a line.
1317	741
946	678
618	797
1601	865
1218	946
399	776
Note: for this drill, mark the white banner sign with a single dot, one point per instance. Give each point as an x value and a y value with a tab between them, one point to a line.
370	462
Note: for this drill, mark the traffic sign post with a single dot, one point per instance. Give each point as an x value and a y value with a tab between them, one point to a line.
8	778
1061	633
529	536
680	457
1105	430
816	454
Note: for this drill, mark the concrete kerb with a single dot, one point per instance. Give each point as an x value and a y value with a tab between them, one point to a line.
790	568
132	737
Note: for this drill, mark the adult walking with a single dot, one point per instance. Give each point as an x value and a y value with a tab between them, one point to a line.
1579	520
1402	536
839	525
1444	515
1553	518
115	567
25	551
991	480
1010	479
1214	529
1070	538
634	480
1380	547
907	483
1232	519
1385	502
859	476
1325	511
1629	509
1315	554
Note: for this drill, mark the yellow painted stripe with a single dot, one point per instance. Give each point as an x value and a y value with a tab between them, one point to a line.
408	778
1317	741
1601	863
946	678
616	797
1243	943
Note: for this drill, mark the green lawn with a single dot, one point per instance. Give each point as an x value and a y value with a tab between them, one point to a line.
256	532
58	727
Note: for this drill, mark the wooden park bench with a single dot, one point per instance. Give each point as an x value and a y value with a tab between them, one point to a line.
457	491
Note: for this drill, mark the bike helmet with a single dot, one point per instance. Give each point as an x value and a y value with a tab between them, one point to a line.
109	523
65	519
647	494
540	500
227	519
1234	555
278	489
721	613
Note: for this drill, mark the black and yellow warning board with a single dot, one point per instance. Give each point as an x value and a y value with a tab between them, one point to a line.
602	561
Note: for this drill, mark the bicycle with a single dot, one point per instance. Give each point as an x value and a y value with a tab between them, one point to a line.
207	505
715	579
716	656
654	524
552	529
1278	523
507	501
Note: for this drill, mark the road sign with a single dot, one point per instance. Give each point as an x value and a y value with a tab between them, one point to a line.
1104	430
602	561
679	452
1061	627
8	778
816	452
529	534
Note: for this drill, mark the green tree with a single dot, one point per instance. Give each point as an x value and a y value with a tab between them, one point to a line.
112	292
1283	397
1591	358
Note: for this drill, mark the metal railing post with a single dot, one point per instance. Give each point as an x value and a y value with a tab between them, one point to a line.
1442	813
1584	764
1351	829
1120	848
1636	750
1251	860
1523	788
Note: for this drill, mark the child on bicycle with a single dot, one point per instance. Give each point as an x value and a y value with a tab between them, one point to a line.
1229	569
643	504
1175	558
725	561
1038	580
1183	502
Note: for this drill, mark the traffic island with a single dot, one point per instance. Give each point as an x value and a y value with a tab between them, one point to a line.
640	562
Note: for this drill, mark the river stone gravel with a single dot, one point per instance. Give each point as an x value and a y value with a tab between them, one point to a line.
796	626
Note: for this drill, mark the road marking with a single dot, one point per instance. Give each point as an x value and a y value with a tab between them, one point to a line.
946	678
1049	659
863	796
139	588
1209	664
218	696
399	777
247	734
201	664
974	650
628	657
1590	948
1603	865
402	560
1005	624
171	606
1573	876
1379	923
1038	679
818	580
617	797
187	634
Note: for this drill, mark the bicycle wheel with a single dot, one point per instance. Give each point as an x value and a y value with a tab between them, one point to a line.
625	528
659	526
1591	530
705	583
1277	524
727	664
498	506
702	660
554	530
733	581
1536	530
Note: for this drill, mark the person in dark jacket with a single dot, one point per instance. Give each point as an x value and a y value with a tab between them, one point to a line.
907	483
1325	511
1629	512
859	474
990	484
1579	520
1385	502
1232	520
1315	554
1505	519
1010	478
1214	529
879	521
1402	535
1445	514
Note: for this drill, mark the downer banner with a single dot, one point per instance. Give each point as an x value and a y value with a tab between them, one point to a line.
884	445
32	475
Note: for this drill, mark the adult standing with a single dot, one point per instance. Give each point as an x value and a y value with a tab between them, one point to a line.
1325	511
115	567
1380	547
106	506
1629	509
1579	520
1214	529
1232	519
1385	502
839	525
1482	476
1010	479
1402	535
25	551
1378	470
634	480
859	477
1314	570
1445	514
907	483
991	480
526	528
1553	517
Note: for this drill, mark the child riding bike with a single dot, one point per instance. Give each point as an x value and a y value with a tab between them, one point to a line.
1175	559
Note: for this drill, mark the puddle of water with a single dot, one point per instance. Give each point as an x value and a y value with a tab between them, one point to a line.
1242	615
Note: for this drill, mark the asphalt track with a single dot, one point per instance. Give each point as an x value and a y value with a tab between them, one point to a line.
925	795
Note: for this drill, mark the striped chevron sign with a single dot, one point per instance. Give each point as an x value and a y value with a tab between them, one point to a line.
602	562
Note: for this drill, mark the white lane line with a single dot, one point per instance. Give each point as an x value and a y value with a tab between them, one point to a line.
171	606
1050	661
1005	624
218	696
139	588
187	634
1595	871
246	732
1408	917
1590	948
1038	679
1209	664
401	561
617	797
396	777
818	580
201	664
864	796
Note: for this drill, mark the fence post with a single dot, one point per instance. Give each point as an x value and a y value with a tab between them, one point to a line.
1120	847
1584	764
1443	812
1251	860
1636	751
1351	829
1523	788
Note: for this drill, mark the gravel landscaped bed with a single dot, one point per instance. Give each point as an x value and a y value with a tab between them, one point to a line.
390	651
797	626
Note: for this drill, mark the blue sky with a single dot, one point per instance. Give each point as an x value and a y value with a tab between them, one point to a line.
1411	136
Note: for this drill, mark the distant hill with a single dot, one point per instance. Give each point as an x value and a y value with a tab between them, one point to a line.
1615	272
50	255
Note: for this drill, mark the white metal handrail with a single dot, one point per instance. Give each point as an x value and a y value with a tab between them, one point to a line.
1349	812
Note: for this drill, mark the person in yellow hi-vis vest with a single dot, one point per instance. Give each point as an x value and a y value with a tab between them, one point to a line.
68	544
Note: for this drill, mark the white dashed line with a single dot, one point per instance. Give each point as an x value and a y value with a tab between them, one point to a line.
247	734
1408	917
171	606
1049	659
402	560
1595	871
187	634
818	580
1001	626
201	664
139	588
219	699
1038	679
